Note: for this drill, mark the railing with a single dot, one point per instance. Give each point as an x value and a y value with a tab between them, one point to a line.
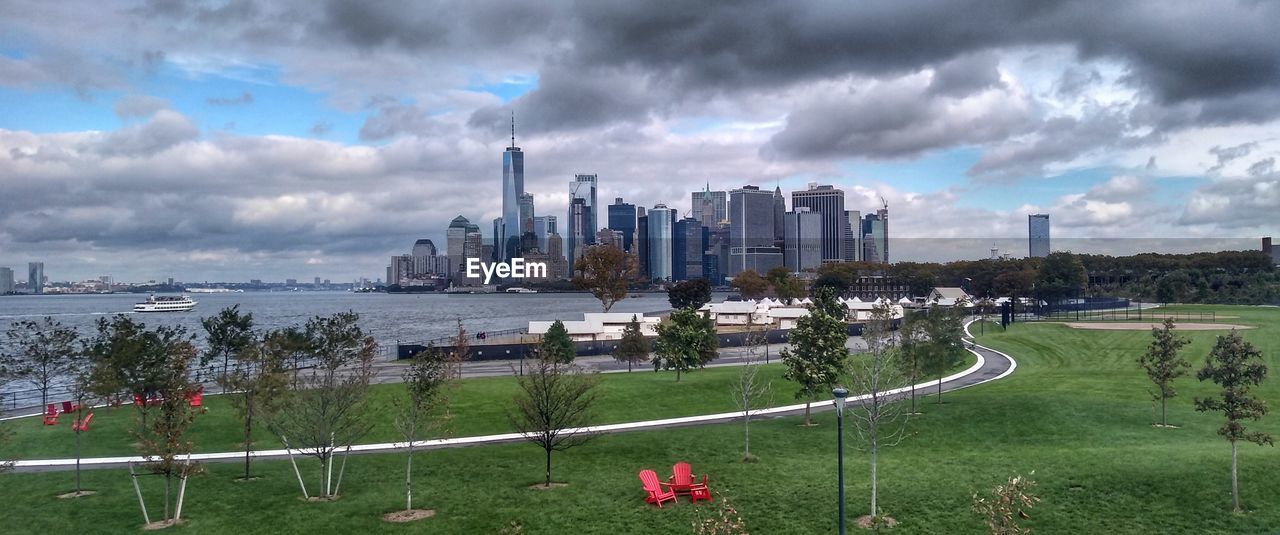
1154	315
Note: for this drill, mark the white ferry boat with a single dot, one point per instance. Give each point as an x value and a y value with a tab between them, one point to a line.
165	303
519	290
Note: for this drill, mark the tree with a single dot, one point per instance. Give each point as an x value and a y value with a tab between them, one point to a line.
944	344
43	352
817	356
692	293
784	285
126	356
913	349
750	391
258	381
461	350
750	284
557	347
551	406
685	340
226	335
633	347
1163	365
1007	506
875	374
1061	275
82	400
1236	366
326	412
606	271
164	441
424	406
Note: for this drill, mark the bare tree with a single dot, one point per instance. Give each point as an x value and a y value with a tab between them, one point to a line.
606	271
552	402
326	412
461	349
1163	365
751	392
258	381
82	400
423	408
43	352
164	442
879	418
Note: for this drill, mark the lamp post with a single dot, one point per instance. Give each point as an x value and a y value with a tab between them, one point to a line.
840	394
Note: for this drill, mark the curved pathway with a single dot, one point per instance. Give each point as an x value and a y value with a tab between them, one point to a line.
990	366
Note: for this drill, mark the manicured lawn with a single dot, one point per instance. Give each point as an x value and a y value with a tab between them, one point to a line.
1076	412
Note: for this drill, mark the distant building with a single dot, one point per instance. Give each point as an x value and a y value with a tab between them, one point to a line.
1038	235
35	277
753	230
642	242
7	285
827	202
622	218
804	239
557	267
543	227
606	236
526	213
688	245
400	269
456	238
875	237
852	251
715	263
779	210
512	189
582	226
711	208
661	234
1271	250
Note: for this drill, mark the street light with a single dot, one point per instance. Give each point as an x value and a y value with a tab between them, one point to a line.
840	394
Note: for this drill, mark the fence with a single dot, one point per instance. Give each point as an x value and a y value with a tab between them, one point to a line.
1133	313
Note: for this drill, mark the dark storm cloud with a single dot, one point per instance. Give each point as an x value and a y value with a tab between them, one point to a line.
568	100
1058	139
966	75
394	118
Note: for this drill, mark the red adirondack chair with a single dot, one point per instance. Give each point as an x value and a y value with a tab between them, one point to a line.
196	397
51	415
68	407
82	425
138	401
682	482
654	488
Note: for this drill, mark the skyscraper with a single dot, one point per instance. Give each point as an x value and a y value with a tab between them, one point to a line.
456	238
875	237
779	208
512	189
689	242
35	277
6	281
622	218
1271	250
543	227
642	242
717	201
852	236
827	202
804	239
753	231
582	225
499	229
661	232
1038	235
526	213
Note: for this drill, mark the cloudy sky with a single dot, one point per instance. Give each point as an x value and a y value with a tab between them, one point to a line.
229	140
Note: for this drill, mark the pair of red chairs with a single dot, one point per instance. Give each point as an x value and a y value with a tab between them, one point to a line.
680	482
51	411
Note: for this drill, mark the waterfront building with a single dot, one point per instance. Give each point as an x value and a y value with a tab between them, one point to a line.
828	203
1038	235
661	232
642	242
455	240
581	223
779	209
557	266
543	227
753	234
7	285
715	263
852	251
35	277
804	239
526	213
711	208
400	269
688	247
622	218
512	190
875	236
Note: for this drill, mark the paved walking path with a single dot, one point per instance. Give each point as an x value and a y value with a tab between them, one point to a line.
990	366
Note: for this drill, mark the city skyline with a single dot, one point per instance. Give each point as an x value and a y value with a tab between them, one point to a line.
275	141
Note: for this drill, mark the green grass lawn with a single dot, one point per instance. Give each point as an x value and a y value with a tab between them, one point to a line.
1076	412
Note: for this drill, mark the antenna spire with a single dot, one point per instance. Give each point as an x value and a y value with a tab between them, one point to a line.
513	128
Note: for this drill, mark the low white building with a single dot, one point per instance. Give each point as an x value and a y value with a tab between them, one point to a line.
860	311
596	326
949	297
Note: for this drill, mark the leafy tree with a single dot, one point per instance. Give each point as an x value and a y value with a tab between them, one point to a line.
327	410
784	285
817	356
164	441
827	300
1163	365
424	406
557	347
125	355
1007	506
750	284
606	271
226	335
551	405
878	418
633	347
1061	275
43	353
685	340
839	277
944	345
692	293
1237	367
258	381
